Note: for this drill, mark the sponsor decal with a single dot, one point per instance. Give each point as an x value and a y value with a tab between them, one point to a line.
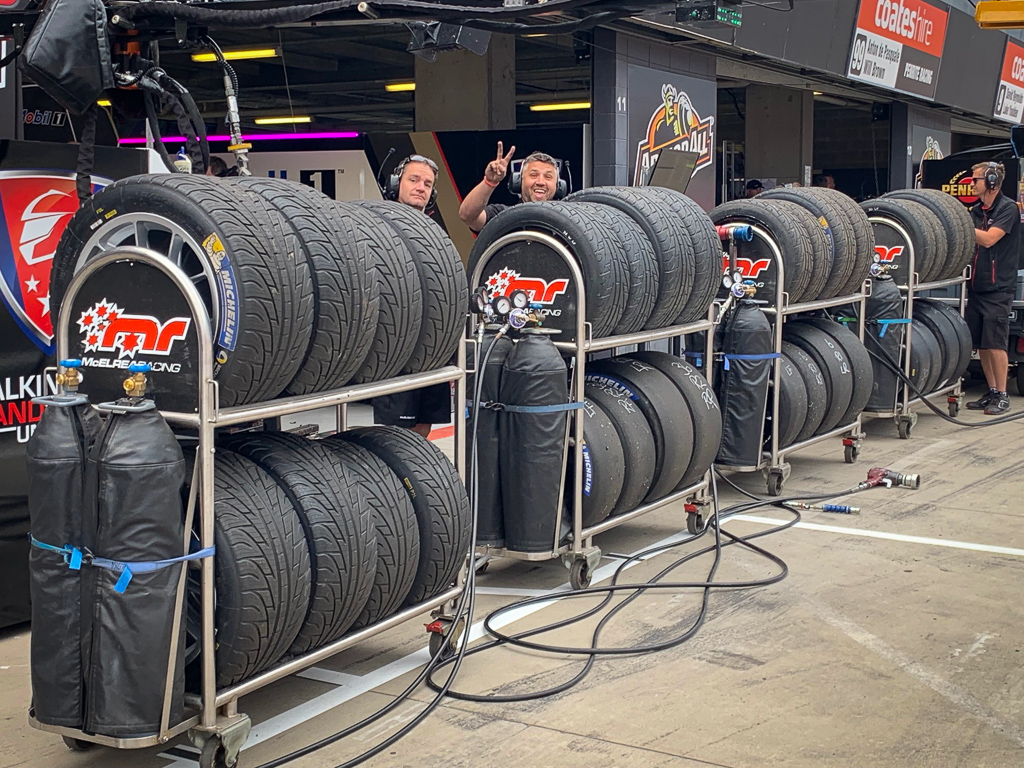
588	471
505	281
898	45
676	124
18	414
107	328
751	269
961	187
228	295
1010	94
887	254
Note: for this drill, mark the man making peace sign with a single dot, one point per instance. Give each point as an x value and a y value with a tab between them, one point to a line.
540	182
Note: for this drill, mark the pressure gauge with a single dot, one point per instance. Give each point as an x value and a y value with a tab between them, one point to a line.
520	299
503	305
518	318
480	300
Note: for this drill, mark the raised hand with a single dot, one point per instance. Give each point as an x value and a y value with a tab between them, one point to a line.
497	168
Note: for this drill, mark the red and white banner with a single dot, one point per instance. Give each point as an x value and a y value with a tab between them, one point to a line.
1010	96
898	45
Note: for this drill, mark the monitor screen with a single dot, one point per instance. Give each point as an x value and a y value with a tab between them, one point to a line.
672	170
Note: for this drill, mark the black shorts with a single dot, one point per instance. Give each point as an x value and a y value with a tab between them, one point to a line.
988	317
431	405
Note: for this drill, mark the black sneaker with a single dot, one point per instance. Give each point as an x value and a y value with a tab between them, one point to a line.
1000	404
983	402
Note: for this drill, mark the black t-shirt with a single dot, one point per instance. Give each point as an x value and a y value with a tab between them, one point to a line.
492	210
995	268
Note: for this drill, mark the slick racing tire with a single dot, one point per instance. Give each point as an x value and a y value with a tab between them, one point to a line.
860	363
337	524
834	365
956	221
945	334
927	234
964	342
231	244
814	383
439	498
925	358
442	281
604	465
792	404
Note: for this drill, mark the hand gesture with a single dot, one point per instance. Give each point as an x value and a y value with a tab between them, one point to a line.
497	168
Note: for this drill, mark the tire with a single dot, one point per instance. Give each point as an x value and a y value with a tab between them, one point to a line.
670	240
925	358
927	235
346	303
663	405
604	465
439	498
400	311
337	525
398	537
707	250
821	258
860	364
834	366
784	224
636	439
642	269
946	336
842	239
228	235
956	220
792	404
442	281
864	236
262	566
963	334
814	383
591	241
703	407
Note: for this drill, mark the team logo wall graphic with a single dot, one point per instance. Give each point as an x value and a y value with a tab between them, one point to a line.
887	253
676	124
35	208
505	281
105	327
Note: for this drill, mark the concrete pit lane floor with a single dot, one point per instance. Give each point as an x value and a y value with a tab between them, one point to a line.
895	640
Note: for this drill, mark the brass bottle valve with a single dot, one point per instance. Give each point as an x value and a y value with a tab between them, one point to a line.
68	378
135	385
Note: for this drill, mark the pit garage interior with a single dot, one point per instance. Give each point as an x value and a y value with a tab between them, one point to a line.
894	637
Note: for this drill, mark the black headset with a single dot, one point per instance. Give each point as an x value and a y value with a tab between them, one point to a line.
992	176
515	180
395	179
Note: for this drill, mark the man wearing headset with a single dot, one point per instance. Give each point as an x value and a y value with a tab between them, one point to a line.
539	182
990	292
413	184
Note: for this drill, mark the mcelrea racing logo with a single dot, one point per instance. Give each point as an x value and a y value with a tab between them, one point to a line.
105	327
505	281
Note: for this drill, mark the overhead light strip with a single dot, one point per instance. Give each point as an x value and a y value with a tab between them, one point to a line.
560	106
251	53
286	120
400	87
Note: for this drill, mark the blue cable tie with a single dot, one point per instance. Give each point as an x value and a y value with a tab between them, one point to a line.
766	356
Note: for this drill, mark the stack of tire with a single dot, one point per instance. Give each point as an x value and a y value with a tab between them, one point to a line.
650	256
940	346
826	241
825	379
305	294
940	228
316	538
652	427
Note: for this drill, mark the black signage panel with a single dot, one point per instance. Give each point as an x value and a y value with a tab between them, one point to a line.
893	251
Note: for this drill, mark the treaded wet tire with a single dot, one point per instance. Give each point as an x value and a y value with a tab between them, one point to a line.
262	566
240	241
842	239
927	234
398	537
792	404
636	439
821	250
442	281
604	466
590	240
663	405
336	522
670	240
704	411
956	220
707	250
864	238
400	311
859	359
439	498
346	303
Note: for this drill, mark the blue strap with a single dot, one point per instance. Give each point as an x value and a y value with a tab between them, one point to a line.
75	558
886	323
698	357
540	408
766	356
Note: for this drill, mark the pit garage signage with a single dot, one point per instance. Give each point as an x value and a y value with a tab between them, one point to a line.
1010	96
898	45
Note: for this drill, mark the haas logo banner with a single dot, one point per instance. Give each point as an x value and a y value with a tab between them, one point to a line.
887	254
505	281
749	268
106	328
35	207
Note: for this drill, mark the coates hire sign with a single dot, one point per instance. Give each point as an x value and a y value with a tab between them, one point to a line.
898	45
1010	96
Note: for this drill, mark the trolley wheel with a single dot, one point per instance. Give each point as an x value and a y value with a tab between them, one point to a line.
579	574
483	567
905	427
775	483
77	745
446	642
851	454
954	408
213	755
694	524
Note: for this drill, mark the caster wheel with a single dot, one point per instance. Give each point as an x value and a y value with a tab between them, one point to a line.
851	454
954	409
775	484
579	574
213	755
483	568
905	428
446	642
77	745
694	524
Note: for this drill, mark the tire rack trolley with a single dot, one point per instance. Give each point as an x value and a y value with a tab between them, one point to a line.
907	280
773	463
580	555
212	718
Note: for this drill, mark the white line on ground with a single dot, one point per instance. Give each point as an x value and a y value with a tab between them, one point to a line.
952	544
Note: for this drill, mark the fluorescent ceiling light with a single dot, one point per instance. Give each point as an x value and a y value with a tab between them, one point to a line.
560	106
399	87
283	120
817	93
249	53
103	103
